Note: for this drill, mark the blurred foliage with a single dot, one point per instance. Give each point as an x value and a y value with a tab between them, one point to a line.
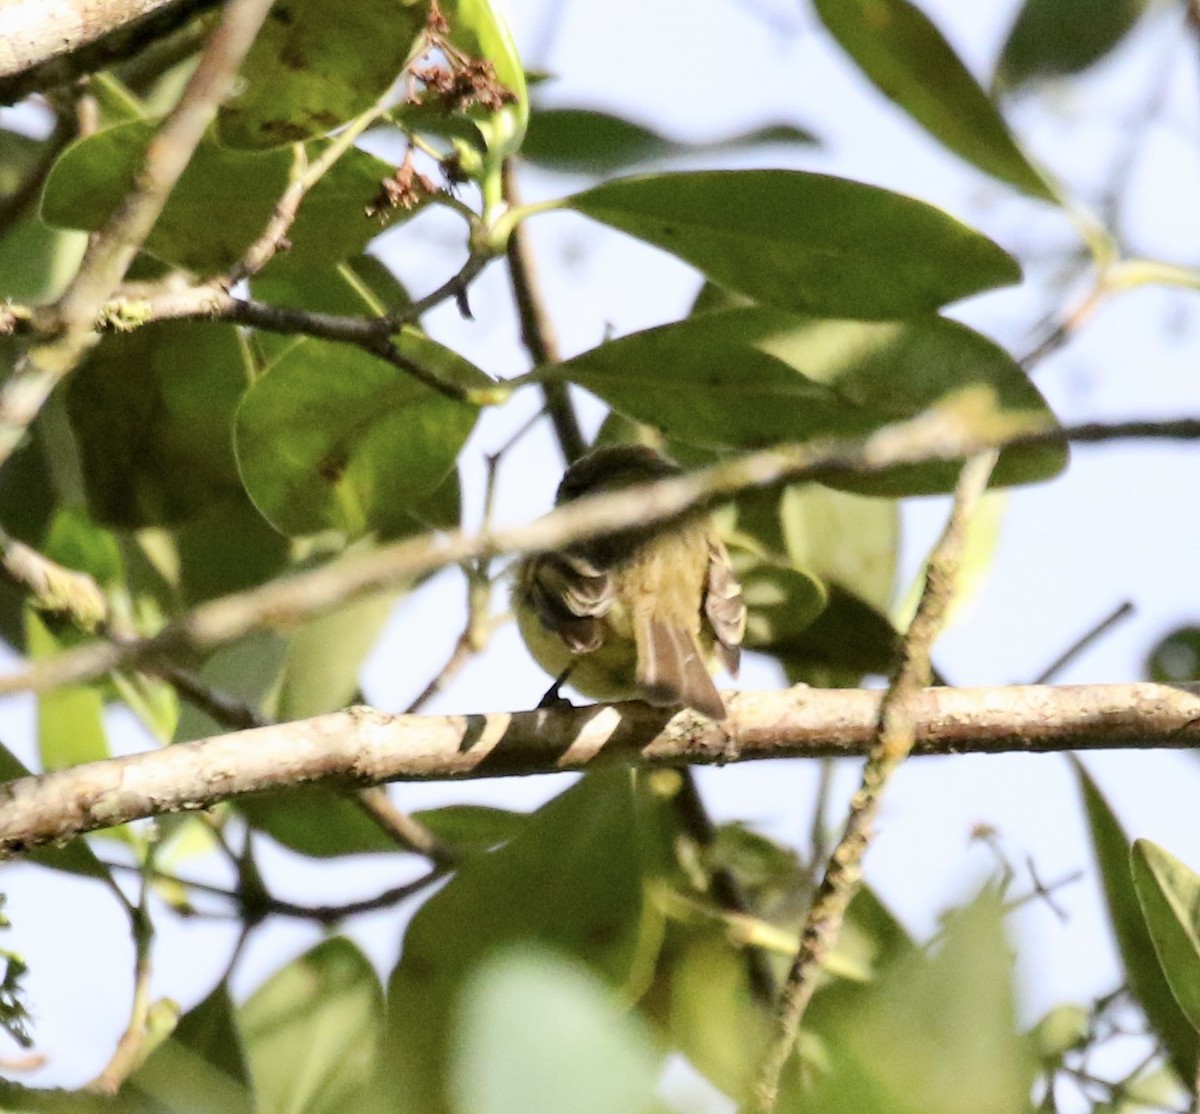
575	951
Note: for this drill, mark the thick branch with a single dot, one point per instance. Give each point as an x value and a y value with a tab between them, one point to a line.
284	602
361	746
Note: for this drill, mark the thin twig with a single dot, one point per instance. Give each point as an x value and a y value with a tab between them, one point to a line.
537	332
895	736
1083	643
726	891
304	595
131	1048
271	905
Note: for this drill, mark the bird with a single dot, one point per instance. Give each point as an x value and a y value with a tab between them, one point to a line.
644	614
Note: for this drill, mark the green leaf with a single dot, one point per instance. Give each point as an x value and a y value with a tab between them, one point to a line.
1052	38
702	1001
780	601
473	827
357	285
571	880
314	66
218	208
312	1032
320	672
907	58
850	639
36	262
537	1033
846	539
933	1034
1060	1031
223	200
209	1032
70	717
226	548
751	377
1170	898
153	414
245	670
1142	970
74	857
588	141
1176	658
384	440
803	241
321	823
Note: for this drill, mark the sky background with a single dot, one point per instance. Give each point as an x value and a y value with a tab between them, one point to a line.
1120	524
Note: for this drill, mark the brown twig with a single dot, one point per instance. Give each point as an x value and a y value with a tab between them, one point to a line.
537	331
254	908
895	736
926	438
69	322
1083	643
360	746
131	1048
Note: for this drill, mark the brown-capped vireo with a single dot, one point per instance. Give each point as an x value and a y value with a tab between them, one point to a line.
645	614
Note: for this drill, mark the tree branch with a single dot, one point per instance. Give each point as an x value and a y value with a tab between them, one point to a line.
934	436
537	331
361	746
895	736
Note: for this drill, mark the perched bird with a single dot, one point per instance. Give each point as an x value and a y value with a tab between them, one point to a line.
644	614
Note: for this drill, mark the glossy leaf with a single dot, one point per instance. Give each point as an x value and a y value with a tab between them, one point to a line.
153	413
846	539
71	717
245	670
320	672
314	66
746	378
803	241
570	880
222	202
908	59
225	548
312	1032
1142	970
383	443
588	141
217	209
849	640
318	822
780	602
1176	657
473	827
1053	38
1170	898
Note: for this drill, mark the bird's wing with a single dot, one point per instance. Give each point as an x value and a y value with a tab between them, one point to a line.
724	606
571	595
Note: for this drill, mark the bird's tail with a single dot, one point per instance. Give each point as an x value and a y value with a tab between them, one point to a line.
671	669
